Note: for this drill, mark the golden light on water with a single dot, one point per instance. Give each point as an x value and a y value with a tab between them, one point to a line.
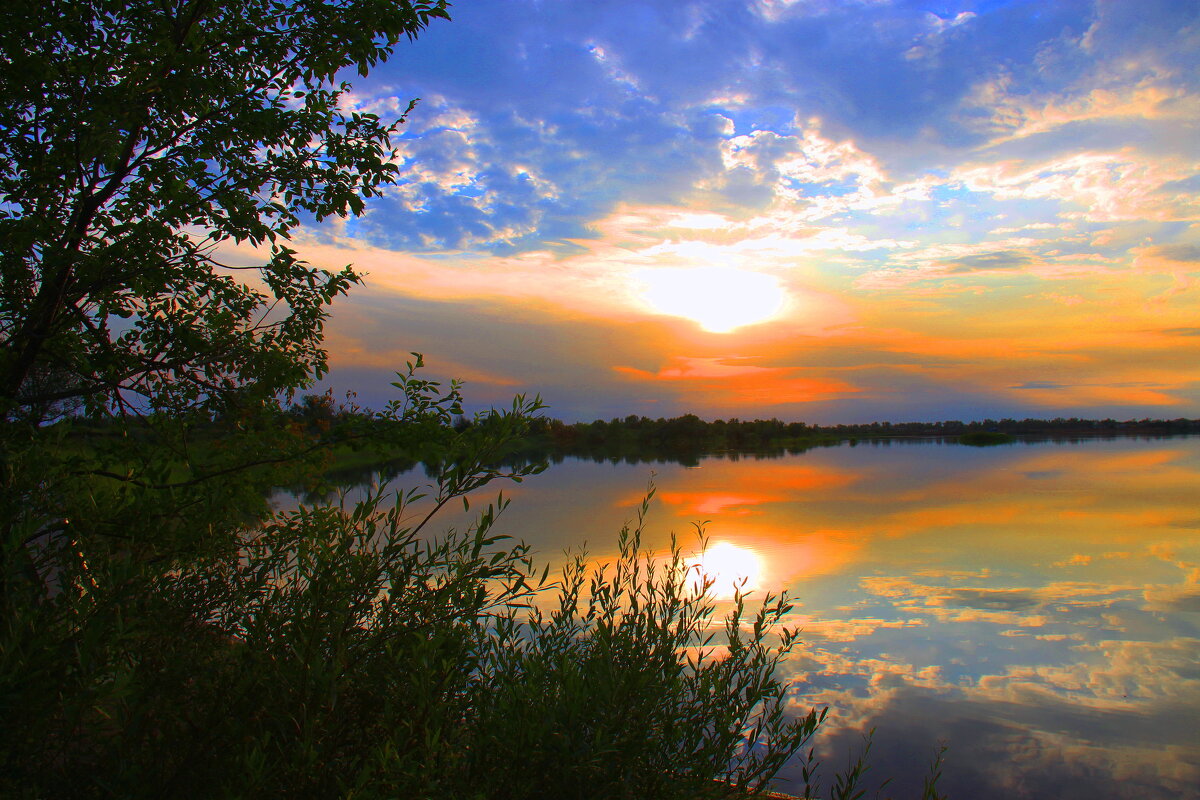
720	299
730	567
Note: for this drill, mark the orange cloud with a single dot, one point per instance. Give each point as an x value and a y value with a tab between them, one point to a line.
1083	396
352	352
741	383
1019	117
1174	259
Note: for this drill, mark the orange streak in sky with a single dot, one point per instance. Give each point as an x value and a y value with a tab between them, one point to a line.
741	383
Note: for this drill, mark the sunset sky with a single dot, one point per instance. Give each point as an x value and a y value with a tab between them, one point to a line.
820	210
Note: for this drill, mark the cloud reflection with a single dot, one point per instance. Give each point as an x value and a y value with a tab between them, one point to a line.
1035	605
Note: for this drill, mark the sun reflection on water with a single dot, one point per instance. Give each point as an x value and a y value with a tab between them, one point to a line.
729	567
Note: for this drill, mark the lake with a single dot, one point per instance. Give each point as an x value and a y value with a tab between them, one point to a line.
1034	606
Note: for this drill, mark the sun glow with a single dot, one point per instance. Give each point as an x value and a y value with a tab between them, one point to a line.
729	567
720	299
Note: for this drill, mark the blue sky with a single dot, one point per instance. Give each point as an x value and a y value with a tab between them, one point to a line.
862	210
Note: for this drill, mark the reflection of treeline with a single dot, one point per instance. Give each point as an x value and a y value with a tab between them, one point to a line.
636	438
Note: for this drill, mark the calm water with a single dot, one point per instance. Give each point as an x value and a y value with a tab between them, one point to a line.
1035	606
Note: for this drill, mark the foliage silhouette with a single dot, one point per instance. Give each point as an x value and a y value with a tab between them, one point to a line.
135	137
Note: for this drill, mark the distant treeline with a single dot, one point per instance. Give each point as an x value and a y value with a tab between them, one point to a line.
635	436
638	439
1059	426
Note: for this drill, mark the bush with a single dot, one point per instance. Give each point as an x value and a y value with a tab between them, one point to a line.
620	692
339	652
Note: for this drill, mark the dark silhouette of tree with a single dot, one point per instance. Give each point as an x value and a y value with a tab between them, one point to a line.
136	137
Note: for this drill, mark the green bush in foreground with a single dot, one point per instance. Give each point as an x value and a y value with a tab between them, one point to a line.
619	691
338	653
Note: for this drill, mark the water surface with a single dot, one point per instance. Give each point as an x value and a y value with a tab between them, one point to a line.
1034	606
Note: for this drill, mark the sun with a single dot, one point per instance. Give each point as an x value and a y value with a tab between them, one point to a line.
720	299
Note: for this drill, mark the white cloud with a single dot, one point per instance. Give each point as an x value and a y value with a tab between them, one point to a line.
775	10
1110	186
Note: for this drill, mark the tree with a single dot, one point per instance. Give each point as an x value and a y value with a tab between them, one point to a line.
136	136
